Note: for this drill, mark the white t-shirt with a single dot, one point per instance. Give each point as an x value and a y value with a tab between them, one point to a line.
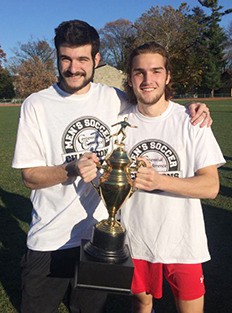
163	227
53	127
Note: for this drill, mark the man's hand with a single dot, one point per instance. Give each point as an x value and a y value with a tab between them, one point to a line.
203	185
86	166
200	114
147	178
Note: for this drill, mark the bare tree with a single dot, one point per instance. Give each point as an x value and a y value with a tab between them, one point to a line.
33	67
116	38
39	48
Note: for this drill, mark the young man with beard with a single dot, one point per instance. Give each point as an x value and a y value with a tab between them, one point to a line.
163	219
56	127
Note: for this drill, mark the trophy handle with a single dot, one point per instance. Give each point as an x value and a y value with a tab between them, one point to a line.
130	170
95	187
139	164
99	166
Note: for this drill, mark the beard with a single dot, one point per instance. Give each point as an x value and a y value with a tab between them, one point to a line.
64	83
147	101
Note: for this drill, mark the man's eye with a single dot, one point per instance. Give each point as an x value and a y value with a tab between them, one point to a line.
65	60
84	60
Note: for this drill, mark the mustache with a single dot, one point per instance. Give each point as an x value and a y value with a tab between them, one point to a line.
78	73
147	85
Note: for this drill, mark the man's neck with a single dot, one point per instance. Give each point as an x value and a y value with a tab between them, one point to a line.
73	91
153	110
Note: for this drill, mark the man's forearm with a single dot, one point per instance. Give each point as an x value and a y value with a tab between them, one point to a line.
47	176
201	186
204	185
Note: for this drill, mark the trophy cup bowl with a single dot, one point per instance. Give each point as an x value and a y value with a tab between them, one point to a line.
115	187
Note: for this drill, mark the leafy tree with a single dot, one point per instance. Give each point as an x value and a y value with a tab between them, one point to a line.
33	75
180	34
215	45
116	38
195	43
165	25
228	48
188	59
2	57
6	85
33	66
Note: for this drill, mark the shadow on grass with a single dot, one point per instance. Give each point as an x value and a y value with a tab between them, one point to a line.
226	191
226	167
228	158
218	272
15	208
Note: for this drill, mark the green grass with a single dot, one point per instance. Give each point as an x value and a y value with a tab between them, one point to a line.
15	211
221	112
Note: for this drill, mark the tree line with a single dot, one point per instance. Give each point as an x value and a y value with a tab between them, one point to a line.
200	50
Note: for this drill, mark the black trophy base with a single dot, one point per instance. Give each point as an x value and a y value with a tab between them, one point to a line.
107	247
117	256
101	275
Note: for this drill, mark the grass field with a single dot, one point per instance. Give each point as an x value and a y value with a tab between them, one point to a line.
15	211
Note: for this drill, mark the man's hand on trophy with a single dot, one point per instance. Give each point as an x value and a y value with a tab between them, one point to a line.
147	177
86	166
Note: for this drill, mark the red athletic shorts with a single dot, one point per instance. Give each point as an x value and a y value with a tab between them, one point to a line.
185	280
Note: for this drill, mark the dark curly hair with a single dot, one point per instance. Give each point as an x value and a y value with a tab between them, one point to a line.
77	33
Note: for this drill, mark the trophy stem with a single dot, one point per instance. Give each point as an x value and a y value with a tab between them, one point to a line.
107	243
112	214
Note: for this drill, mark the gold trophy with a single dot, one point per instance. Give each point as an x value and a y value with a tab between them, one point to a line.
115	187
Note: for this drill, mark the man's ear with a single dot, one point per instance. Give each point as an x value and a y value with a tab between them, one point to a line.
168	79
129	80
97	59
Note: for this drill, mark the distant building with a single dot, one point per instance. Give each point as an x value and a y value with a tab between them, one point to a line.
109	75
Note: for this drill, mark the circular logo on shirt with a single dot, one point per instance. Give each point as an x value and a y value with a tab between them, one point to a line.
87	134
161	155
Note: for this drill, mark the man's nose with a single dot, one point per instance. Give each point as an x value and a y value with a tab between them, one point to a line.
74	66
147	78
